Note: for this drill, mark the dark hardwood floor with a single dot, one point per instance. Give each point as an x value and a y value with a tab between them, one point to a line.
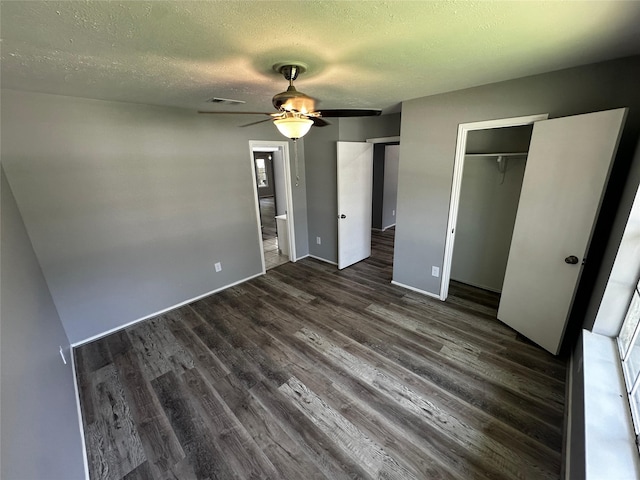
313	373
268	217
273	254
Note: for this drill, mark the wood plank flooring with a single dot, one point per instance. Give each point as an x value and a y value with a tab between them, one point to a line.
268	217
273	257
313	373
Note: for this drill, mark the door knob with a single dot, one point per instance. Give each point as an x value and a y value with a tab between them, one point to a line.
342	216
571	260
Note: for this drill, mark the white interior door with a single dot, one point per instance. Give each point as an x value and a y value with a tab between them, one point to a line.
355	183
567	169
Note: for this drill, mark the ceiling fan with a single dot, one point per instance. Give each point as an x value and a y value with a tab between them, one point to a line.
296	112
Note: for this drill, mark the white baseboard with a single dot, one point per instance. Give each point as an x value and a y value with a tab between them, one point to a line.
323	260
414	289
160	312
300	258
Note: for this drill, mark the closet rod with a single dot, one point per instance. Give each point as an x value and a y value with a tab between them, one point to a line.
508	154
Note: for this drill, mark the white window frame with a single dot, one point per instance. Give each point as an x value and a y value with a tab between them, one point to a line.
632	384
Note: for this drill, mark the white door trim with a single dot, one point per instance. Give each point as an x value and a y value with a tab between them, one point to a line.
383	140
458	167
260	145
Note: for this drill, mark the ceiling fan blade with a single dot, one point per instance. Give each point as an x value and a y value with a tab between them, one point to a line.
349	112
256	123
233	113
319	122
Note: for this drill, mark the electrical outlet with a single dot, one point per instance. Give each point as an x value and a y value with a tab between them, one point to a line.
393	213
318	240
218	266
435	271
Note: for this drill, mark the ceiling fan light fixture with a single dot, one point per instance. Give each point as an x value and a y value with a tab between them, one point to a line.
293	127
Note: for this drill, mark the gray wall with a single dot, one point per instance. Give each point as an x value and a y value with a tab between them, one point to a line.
358	129
390	197
501	140
486	217
128	206
321	164
427	150
40	429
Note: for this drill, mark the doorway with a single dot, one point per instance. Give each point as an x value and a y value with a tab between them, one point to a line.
274	207
490	149
367	174
386	158
495	161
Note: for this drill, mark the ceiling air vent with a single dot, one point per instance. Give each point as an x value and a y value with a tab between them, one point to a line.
225	101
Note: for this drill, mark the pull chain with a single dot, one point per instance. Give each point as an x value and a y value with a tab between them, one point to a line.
295	153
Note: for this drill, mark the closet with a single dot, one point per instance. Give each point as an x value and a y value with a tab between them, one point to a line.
494	166
566	173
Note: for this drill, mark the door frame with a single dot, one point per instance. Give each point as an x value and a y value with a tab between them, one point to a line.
458	168
283	146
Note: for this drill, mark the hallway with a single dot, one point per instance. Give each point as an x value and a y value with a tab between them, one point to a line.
272	255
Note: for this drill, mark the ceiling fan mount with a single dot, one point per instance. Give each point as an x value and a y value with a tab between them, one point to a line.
290	70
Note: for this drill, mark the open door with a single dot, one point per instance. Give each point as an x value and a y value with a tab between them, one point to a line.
355	181
567	170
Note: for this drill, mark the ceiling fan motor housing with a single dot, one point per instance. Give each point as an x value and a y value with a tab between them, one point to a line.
293	101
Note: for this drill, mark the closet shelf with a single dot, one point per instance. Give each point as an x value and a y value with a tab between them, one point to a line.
506	154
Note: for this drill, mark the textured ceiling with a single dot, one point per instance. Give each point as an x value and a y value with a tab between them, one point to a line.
360	54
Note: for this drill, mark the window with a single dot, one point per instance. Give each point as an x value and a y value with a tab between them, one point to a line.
629	345
261	172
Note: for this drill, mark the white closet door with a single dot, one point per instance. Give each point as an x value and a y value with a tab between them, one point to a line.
567	170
